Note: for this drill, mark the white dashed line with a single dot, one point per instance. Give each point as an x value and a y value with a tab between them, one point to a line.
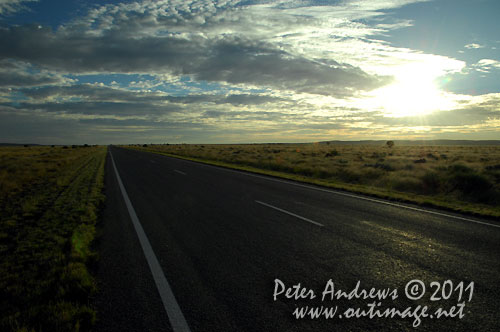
268	178
290	213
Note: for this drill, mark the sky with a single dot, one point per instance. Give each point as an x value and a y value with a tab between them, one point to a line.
230	71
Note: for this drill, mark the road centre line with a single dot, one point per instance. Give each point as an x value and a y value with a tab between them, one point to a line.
290	213
174	313
180	172
331	191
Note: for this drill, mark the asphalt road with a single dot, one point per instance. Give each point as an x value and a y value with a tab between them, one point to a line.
222	238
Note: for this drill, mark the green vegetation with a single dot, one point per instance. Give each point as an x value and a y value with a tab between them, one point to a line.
49	198
460	178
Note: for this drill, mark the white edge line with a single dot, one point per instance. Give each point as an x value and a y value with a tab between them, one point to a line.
170	304
290	213
344	194
180	172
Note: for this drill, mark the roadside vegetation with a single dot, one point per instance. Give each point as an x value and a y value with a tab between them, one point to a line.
49	198
460	178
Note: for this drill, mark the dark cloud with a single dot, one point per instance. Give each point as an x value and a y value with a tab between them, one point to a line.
239	61
100	108
184	46
10	6
229	59
14	75
235	116
79	52
93	92
234	99
248	99
141	124
98	93
26	126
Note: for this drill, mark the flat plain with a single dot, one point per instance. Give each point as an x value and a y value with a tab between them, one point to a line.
49	198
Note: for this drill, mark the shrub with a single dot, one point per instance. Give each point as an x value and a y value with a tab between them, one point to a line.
348	176
431	182
473	186
470	183
385	167
407	185
332	153
431	156
459	168
493	167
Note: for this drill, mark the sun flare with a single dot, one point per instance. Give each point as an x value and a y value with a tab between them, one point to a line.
413	93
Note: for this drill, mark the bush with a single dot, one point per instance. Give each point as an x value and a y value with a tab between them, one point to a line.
385	167
493	167
431	182
407	185
348	176
473	186
459	168
332	153
469	183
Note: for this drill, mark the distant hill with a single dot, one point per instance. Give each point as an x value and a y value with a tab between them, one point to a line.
416	142
16	144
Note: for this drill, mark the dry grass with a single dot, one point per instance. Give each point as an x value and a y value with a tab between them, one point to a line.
50	199
463	178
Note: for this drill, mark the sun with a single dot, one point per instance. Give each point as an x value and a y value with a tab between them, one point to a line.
413	93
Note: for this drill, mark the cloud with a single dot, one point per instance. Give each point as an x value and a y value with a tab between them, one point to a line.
296	70
11	6
239	61
477	110
100	93
300	46
486	65
230	60
15	74
28	127
460	117
473	46
212	41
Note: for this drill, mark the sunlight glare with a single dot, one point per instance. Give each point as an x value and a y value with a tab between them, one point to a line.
413	93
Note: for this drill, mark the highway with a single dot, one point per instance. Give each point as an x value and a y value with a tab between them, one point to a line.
215	241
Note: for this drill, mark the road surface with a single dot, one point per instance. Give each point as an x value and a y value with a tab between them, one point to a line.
227	244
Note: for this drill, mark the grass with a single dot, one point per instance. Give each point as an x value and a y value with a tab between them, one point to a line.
460	178
50	197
